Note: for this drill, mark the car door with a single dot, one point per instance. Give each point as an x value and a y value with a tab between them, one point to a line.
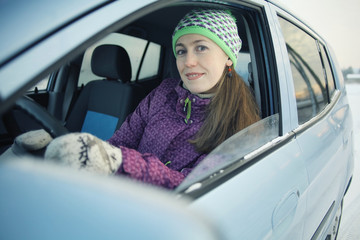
258	182
261	195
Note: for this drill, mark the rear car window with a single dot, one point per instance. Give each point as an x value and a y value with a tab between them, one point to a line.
144	57
307	71
40	86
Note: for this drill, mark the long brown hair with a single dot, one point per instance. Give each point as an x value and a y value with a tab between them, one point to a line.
232	108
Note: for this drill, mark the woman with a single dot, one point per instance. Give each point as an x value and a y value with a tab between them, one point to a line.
180	121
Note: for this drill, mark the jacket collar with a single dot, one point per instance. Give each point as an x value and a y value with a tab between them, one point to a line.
201	95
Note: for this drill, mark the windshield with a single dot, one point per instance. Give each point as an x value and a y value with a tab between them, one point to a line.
235	149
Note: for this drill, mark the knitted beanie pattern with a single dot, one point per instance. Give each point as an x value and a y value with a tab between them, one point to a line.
217	25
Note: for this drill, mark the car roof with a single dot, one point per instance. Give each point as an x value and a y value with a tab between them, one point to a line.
22	25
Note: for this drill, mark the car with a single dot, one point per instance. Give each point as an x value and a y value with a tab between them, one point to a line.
284	177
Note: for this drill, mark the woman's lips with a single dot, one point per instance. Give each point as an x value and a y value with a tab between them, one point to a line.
193	76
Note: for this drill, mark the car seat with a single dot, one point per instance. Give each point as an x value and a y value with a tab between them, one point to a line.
104	104
63	94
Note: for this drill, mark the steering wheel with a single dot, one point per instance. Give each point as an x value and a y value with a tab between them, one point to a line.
37	112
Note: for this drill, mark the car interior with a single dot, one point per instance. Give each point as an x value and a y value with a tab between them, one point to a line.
117	83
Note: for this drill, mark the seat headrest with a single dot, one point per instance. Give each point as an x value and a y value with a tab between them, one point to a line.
111	62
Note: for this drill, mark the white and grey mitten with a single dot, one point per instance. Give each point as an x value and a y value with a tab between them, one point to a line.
84	151
31	141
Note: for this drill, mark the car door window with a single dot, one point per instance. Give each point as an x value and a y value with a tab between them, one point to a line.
135	47
307	71
151	62
328	72
252	138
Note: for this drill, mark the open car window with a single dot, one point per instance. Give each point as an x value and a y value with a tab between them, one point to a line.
238	149
241	148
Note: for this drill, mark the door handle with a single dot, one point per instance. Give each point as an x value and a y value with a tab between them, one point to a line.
285	210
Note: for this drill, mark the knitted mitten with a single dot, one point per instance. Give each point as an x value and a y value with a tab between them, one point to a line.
84	151
31	141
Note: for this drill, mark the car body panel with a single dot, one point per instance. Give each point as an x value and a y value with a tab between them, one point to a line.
88	206
249	201
326	166
62	12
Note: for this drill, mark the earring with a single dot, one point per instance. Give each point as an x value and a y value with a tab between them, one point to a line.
229	72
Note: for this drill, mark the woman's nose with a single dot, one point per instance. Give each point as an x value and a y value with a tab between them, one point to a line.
191	59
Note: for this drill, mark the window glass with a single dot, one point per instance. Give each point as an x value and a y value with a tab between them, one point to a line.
328	72
151	62
135	47
250	139
242	67
306	67
41	85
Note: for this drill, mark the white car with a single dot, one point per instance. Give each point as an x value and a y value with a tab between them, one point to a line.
283	177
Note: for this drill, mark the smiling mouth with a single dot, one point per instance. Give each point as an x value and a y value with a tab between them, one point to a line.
193	76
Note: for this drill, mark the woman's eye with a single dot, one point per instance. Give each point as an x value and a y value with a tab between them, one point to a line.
201	48
180	52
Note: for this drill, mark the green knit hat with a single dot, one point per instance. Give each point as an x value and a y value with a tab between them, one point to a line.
217	25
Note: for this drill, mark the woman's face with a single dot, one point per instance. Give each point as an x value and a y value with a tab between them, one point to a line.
200	62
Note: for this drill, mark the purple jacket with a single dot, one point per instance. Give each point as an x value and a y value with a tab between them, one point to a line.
154	138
